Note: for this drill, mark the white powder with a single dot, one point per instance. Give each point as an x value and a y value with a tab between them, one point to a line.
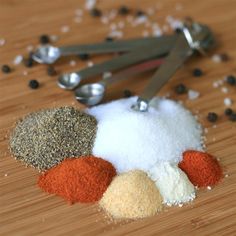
138	140
172	183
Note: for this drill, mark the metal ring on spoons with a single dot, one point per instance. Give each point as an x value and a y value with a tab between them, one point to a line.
46	54
90	94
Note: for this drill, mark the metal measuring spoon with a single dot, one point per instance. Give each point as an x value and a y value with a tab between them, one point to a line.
195	37
147	52
92	94
48	54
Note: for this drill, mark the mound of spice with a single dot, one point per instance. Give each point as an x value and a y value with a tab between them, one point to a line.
142	139
172	183
201	168
131	195
44	138
83	179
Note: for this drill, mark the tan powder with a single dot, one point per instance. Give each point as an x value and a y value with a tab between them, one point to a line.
132	195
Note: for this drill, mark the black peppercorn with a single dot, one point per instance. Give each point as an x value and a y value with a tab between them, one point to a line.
212	117
232	117
197	72
34	84
83	57
231	79
139	13
228	111
95	12
123	10
44	39
127	93
6	69
180	89
109	39
28	62
51	71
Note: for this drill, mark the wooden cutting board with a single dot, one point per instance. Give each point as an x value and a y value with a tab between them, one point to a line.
25	209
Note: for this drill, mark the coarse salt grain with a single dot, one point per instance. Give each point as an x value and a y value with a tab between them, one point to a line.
172	183
65	29
228	102
193	94
18	59
72	63
224	90
139	140
2	42
90	4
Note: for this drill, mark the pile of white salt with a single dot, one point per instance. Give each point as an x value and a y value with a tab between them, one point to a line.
140	140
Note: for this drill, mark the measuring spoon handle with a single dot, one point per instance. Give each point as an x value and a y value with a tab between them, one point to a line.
115	46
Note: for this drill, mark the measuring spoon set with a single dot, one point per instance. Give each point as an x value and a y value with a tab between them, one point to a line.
167	53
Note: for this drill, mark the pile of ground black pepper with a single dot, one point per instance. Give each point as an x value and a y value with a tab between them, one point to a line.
44	138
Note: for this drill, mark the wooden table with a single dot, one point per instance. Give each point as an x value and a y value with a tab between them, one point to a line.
25	209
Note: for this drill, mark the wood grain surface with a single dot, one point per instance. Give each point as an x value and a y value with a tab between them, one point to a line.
25	209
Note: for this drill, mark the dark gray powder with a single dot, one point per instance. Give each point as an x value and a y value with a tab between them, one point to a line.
44	138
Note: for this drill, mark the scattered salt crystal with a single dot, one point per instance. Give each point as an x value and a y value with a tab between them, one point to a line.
104	19
206	130
141	20
216	58
79	12
157	32
25	72
224	90
2	42
6	174
78	19
228	102
214	126
150	11
145	33
172	183
226	176
65	29
90	63
180	205
209	187
140	140
90	4
18	59
121	24
30	48
54	38
112	14
178	7
113	26
215	84
116	34
193	94
72	63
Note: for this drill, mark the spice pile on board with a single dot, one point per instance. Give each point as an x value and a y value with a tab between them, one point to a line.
158	155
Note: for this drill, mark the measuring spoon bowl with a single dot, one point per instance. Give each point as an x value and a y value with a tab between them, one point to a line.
46	54
90	94
69	81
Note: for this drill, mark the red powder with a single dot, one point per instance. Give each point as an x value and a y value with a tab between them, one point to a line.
201	168
83	179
